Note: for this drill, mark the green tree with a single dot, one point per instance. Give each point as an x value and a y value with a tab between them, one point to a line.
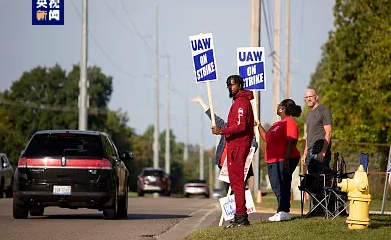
354	75
47	97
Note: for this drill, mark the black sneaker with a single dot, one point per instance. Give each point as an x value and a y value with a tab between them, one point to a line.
235	224
239	221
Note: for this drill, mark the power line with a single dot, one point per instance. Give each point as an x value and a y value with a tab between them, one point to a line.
135	30
39	106
133	24
116	17
267	24
101	48
301	29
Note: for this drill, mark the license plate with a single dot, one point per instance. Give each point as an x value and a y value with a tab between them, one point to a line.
62	190
152	179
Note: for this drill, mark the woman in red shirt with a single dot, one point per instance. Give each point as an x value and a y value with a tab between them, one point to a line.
282	155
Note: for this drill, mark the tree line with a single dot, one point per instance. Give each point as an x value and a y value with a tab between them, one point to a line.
353	76
47	98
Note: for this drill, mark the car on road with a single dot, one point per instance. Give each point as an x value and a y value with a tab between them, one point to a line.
153	180
218	193
70	169
196	187
6	175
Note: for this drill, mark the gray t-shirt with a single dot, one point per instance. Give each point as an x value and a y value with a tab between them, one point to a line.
316	120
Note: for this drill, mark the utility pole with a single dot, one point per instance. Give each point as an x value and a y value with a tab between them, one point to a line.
210	171
83	94
202	148
168	147
217	182
255	42
186	147
287	50
276	57
156	145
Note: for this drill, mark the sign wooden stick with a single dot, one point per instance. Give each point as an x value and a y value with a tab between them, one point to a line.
212	112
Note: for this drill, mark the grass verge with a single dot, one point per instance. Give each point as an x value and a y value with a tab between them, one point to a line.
299	228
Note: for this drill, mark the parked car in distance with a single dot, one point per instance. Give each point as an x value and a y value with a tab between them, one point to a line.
196	187
70	169
153	180
218	193
6	175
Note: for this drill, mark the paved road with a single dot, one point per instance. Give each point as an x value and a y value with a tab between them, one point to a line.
148	218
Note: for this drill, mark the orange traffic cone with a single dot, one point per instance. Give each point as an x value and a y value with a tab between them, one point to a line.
305	197
259	196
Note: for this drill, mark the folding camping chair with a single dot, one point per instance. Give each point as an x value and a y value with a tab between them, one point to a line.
313	186
318	187
336	200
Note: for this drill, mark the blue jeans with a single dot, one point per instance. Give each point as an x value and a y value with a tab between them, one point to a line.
281	181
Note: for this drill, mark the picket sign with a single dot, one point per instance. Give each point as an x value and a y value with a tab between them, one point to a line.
228	206
204	62
224	169
386	182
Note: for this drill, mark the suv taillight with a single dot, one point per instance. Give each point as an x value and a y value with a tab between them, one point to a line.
22	162
105	164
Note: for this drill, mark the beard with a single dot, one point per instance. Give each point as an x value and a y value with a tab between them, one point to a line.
231	94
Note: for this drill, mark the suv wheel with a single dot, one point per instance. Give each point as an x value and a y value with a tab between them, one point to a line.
140	193
1	188
9	191
112	212
123	206
20	212
37	211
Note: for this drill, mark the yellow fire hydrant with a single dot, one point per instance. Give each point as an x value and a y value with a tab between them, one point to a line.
359	197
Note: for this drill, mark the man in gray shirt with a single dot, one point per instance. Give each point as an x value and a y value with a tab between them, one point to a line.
317	153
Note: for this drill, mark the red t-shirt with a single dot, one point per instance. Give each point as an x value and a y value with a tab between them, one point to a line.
277	137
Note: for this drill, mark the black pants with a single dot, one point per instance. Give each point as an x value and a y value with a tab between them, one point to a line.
316	168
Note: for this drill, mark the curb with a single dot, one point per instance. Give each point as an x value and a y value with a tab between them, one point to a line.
198	219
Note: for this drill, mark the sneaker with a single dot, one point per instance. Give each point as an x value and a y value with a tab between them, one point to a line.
238	224
282	216
274	217
239	221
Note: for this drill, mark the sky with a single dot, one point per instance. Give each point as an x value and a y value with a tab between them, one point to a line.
121	42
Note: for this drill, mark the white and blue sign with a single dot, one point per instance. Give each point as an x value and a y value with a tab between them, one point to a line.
202	51
251	67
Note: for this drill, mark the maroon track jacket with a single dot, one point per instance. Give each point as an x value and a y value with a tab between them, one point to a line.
239	130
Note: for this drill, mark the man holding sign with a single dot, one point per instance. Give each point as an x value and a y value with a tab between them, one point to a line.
221	149
239	133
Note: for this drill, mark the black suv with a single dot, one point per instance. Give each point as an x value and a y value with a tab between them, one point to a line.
153	180
70	169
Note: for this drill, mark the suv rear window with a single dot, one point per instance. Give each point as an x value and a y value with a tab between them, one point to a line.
65	144
155	173
196	181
